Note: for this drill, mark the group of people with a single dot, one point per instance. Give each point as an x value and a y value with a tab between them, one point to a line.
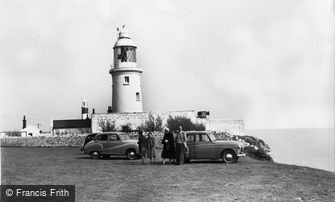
146	146
174	146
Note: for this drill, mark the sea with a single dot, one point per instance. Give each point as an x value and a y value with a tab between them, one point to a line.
311	147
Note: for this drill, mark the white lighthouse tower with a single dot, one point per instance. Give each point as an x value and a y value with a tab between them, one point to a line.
84	110
126	76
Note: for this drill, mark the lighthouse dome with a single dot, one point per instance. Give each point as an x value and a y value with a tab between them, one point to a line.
124	42
124	39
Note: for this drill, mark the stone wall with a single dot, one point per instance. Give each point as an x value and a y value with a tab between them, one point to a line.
136	119
74	131
43	141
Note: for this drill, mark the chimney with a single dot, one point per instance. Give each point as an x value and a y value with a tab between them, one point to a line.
109	109
93	111
24	122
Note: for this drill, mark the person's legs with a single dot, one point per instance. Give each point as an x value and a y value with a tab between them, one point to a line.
182	153
143	161
178	153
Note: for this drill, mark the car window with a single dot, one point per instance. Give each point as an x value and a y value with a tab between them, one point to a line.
190	138
102	137
114	137
197	138
124	137
203	138
211	136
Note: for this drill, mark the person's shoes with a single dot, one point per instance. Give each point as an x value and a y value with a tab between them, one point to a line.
163	163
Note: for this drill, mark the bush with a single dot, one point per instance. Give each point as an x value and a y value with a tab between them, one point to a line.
153	124
174	123
106	126
255	141
223	136
253	147
257	153
126	128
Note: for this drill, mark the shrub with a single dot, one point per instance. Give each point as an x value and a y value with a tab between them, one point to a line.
126	128
223	136
153	124
253	147
174	123
255	141
257	153
107	126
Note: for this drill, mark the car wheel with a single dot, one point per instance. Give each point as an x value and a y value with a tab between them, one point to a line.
229	156
131	154
95	154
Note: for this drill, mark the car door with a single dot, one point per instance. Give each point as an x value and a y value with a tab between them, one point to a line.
191	144
102	140
204	148
114	144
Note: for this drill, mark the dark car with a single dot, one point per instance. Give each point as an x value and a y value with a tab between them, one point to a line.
203	145
112	143
88	138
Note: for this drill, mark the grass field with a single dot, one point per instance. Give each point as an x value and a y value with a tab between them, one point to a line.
119	179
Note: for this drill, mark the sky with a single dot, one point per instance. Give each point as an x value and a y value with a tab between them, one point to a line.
268	62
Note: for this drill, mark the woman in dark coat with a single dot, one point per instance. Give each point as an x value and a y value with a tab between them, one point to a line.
151	150
142	144
168	146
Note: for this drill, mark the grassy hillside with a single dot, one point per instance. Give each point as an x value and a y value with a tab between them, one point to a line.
122	180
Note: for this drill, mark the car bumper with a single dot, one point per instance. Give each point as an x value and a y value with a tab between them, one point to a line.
241	155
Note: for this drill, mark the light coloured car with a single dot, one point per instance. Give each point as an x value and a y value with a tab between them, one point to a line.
203	145
112	143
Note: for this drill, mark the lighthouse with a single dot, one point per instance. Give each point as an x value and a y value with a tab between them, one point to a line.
84	110
126	75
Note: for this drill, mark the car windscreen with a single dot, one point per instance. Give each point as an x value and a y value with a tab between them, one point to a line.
124	137
211	136
90	137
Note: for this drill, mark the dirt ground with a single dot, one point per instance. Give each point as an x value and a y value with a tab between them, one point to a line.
118	179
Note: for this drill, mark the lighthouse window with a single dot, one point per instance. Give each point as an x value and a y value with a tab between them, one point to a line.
138	98
131	55
126	79
126	54
123	55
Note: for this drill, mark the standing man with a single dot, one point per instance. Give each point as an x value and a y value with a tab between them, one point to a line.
180	146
